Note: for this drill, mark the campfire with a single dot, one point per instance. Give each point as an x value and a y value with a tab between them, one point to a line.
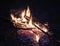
27	26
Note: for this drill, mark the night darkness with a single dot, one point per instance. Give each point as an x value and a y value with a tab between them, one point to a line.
43	10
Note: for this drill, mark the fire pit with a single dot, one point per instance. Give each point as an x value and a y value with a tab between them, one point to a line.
28	29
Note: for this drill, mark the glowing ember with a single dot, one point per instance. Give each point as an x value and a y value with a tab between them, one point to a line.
25	21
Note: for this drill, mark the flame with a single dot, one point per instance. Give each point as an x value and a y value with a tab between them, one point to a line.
28	12
23	20
42	27
22	16
27	23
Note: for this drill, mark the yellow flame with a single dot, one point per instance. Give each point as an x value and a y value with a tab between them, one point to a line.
22	16
13	18
28	12
27	23
23	20
30	23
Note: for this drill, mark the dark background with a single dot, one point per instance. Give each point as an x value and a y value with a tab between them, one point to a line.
43	10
